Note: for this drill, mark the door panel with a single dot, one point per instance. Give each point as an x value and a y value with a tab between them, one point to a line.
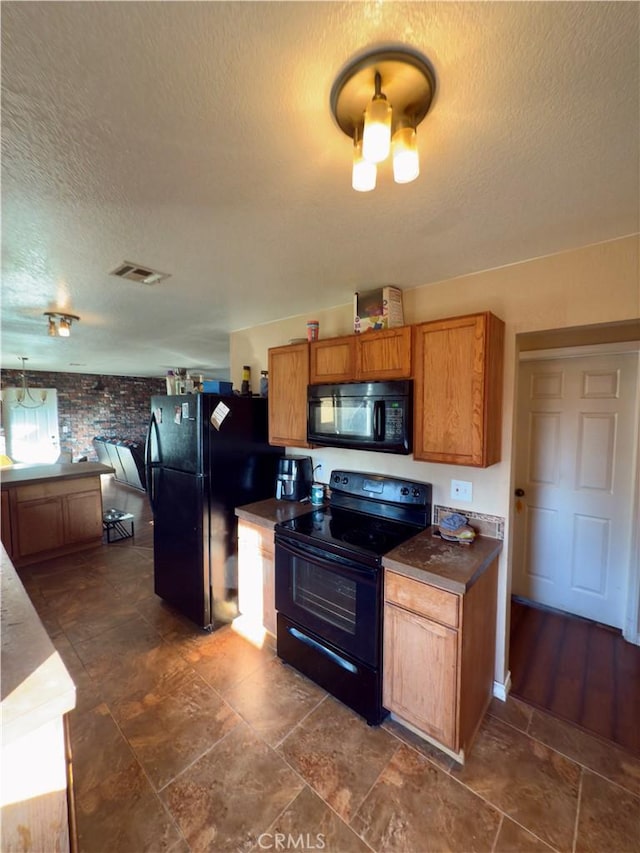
576	435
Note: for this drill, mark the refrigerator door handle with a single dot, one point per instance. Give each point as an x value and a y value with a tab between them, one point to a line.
148	464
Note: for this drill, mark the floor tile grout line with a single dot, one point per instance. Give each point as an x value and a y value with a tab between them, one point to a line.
377	779
195	760
300	721
499	830
587	767
146	775
572	758
577	820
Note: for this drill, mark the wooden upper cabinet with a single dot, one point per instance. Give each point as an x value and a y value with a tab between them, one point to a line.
458	390
384	355
370	356
333	360
288	380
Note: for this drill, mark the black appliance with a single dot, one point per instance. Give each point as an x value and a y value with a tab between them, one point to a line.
361	415
206	454
328	569
293	481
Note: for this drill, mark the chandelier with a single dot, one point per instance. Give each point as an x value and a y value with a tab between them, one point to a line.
63	329
24	397
378	100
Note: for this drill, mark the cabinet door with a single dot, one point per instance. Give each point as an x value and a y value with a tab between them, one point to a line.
5	524
458	390
39	526
333	360
256	579
82	516
420	673
384	355
288	380
268	583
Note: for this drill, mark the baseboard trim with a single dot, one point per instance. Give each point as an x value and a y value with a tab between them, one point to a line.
500	690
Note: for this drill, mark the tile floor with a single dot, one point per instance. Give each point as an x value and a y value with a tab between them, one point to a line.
184	741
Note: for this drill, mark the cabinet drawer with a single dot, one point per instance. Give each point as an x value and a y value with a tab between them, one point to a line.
423	599
56	488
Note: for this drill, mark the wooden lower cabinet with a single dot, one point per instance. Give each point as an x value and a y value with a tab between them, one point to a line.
5	525
256	576
53	517
439	650
420	683
82	516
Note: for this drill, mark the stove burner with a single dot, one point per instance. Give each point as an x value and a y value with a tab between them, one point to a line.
369	539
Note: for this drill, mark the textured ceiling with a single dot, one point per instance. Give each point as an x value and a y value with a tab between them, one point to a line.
196	138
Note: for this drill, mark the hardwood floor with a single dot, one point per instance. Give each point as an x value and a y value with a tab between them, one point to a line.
578	670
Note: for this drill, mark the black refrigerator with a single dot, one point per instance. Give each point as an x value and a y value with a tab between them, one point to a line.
205	455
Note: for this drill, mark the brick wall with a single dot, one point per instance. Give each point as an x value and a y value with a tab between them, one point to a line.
121	409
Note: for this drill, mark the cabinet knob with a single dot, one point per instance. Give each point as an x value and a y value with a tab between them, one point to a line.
519	493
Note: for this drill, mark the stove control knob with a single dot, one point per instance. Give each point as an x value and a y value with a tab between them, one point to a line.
336	479
345	480
404	490
416	493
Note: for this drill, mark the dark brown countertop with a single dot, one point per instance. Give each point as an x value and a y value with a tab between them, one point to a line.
447	565
21	474
271	511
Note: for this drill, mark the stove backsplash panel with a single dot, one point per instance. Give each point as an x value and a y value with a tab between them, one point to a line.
484	524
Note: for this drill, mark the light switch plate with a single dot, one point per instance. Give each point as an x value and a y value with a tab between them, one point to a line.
461	490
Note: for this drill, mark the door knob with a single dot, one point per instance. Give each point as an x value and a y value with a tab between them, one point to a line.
519	493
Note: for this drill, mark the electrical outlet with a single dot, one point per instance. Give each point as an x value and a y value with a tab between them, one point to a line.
461	490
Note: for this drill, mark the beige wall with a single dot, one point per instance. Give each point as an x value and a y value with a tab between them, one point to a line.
599	284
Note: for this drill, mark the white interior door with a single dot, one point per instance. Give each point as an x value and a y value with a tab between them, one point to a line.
32	433
576	467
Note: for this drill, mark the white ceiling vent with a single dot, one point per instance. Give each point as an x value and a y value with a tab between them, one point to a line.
136	272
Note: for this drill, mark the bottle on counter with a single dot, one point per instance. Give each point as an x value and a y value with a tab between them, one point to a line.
264	383
245	388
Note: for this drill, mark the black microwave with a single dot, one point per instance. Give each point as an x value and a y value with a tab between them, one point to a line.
361	415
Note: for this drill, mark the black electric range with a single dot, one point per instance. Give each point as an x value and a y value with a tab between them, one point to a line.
329	582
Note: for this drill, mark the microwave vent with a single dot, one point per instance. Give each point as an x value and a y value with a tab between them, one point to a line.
139	273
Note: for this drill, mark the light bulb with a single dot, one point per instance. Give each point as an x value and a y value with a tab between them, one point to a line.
53	331
363	176
376	139
406	163
65	327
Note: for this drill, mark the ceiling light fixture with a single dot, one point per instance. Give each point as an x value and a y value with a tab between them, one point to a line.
63	329
23	394
379	99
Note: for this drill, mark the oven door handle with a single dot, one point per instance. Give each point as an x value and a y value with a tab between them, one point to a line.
310	552
314	644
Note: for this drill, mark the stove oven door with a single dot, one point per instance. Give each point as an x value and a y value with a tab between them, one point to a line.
331	597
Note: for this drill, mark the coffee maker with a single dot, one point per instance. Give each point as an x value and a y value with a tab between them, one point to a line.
295	474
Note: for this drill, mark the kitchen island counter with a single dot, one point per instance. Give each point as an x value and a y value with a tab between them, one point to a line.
451	566
51	510
24	473
37	691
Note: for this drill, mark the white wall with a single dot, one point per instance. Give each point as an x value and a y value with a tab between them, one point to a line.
598	284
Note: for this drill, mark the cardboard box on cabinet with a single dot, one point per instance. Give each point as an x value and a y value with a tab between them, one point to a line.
380	308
